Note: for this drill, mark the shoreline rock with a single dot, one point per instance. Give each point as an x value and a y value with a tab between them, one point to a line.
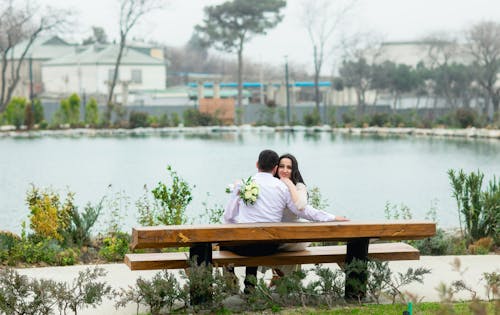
468	133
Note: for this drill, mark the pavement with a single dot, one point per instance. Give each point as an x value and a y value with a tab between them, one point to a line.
442	271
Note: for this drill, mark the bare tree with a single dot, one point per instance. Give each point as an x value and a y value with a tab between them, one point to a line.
321	19
483	45
18	24
131	12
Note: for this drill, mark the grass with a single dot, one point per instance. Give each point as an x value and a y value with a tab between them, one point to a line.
391	309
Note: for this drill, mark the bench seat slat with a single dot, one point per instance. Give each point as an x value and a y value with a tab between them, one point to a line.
186	235
319	254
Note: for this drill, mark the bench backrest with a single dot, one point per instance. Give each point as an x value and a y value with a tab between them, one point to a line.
186	235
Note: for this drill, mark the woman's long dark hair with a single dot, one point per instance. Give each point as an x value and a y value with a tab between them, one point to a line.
295	176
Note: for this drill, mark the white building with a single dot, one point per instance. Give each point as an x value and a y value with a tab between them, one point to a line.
89	70
41	50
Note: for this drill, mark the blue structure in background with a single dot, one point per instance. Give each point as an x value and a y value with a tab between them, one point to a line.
258	84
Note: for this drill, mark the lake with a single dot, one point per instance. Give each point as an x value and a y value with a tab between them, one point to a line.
357	174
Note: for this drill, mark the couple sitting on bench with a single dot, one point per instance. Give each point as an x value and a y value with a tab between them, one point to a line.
277	193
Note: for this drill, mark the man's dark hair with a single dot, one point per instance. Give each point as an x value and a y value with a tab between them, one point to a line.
268	159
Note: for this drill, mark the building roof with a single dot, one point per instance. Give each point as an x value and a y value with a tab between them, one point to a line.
104	55
43	48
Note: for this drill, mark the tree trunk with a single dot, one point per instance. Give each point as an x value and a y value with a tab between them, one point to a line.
495	100
240	76
109	108
317	69
6	96
3	103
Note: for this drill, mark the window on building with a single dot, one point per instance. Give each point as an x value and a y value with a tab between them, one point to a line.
136	76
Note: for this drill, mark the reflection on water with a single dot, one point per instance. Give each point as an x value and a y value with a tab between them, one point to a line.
357	174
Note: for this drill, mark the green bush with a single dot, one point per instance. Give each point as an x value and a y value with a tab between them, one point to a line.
158	294
34	250
379	119
114	246
78	231
465	117
20	295
348	117
67	257
440	244
175	119
91	113
478	211
164	121
152	121
8	242
169	204
138	119
71	109
312	118
193	117
15	111
38	114
49	216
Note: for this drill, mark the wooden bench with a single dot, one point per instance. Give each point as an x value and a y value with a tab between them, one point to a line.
357	235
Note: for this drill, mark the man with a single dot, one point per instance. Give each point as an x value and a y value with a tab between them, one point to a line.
273	198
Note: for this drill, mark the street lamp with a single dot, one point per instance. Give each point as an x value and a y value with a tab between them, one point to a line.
287	92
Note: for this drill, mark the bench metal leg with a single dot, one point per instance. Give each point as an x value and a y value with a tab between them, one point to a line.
203	254
356	279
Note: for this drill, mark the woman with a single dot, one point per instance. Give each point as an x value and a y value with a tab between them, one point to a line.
288	172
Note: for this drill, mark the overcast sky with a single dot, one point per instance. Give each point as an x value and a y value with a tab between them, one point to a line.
389	20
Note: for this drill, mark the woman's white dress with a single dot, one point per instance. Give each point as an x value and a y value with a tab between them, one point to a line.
289	216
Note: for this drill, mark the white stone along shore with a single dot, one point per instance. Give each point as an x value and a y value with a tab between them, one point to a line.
471	133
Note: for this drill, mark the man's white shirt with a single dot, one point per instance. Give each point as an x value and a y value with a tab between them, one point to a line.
272	200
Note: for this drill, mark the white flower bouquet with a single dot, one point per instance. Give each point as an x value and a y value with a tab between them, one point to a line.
249	191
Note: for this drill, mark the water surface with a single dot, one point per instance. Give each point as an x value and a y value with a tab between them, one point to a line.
356	174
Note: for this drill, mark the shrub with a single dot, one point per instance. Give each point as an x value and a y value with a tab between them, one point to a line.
78	231
481	246
152	121
38	114
171	202
91	113
312	118
348	117
465	117
114	246
34	250
19	295
138	119
316	199
15	111
208	287
158	294
439	244
379	119
175	119
67	257
8	241
49	218
332	116
70	110
480	209
164	121
193	117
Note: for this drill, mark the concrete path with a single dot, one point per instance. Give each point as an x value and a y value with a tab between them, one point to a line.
442	271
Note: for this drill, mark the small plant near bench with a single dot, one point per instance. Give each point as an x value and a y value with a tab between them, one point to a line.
21	295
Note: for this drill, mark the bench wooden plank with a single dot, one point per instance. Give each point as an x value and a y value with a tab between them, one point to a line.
320	254
186	235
